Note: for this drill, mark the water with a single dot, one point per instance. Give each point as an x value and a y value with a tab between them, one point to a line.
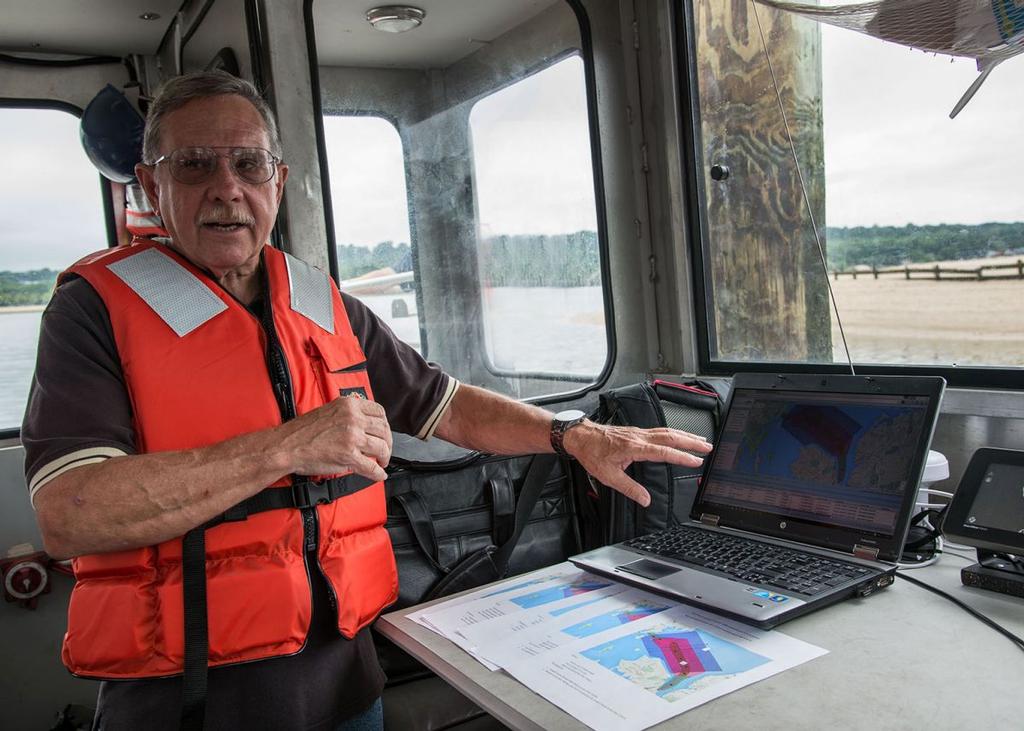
19	335
528	329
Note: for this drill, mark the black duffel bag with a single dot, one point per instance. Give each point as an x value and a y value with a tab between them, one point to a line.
453	526
691	406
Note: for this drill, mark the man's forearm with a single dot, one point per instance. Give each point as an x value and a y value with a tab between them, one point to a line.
489	422
142	500
486	421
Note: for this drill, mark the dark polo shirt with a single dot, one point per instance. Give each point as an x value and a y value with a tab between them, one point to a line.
79	412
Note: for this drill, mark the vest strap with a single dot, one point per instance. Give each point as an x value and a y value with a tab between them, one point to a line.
301	495
304	494
197	644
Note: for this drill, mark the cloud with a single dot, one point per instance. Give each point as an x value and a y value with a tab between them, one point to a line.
51	205
893	156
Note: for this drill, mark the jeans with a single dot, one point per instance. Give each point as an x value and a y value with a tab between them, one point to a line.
372	719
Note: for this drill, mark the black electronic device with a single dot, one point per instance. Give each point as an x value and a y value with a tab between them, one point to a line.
999	580
987	512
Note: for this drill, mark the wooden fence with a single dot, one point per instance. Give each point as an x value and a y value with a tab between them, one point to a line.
940	272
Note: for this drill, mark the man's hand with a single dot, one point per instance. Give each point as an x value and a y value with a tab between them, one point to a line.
349	434
606	451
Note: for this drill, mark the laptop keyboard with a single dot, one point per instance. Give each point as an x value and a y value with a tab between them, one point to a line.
748	560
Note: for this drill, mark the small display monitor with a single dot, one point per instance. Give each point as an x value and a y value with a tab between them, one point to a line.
987	510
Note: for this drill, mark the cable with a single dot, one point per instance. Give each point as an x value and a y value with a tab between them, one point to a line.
947	552
933	558
970	610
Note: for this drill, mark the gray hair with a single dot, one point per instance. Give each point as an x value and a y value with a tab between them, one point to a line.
179	91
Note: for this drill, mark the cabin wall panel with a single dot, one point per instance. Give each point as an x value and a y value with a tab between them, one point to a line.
290	93
972	419
35	686
76	86
666	187
619	157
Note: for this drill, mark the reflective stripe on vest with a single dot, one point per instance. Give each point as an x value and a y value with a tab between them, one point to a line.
310	292
125	616
174	293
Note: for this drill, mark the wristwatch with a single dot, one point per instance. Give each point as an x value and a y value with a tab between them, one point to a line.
560	424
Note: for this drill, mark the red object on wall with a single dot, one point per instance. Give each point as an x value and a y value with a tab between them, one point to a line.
25	577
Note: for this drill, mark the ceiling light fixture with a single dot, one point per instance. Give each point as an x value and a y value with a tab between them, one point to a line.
150	16
395	18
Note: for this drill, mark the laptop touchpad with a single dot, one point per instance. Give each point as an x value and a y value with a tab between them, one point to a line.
648	569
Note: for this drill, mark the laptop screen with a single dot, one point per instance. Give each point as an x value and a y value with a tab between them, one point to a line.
832	459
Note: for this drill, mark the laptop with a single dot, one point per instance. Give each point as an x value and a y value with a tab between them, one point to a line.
806	499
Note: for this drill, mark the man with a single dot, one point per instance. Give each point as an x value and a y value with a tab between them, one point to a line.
177	382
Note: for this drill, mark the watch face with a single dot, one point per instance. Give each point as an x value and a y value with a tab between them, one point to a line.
570	415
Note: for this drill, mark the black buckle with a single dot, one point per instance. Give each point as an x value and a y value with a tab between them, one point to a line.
306	494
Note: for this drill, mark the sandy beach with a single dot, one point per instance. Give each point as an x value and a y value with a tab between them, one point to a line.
892	320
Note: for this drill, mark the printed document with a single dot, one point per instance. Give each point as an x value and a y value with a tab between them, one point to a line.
639	673
499	601
532	633
552	591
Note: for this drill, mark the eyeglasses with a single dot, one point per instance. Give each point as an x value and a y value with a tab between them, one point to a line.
194	165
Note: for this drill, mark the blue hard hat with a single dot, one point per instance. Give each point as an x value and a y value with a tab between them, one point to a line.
111	133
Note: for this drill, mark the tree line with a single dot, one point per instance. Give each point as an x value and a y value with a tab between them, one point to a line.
884	246
26	288
561	260
572	260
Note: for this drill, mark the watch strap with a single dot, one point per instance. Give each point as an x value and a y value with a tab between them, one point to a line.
558	429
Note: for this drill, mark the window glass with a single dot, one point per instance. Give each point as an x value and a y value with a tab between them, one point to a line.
919	215
539	266
51	214
489	197
371	218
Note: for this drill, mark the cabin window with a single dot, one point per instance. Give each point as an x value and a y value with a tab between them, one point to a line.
539	265
371	219
493	186
919	216
51	215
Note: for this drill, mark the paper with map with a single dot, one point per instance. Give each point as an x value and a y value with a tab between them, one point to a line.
535	632
520	583
639	673
559	587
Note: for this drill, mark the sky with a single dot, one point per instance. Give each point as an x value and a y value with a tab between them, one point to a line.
530	139
892	154
892	157
51	208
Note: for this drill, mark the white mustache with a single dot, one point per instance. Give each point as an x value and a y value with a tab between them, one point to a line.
225	215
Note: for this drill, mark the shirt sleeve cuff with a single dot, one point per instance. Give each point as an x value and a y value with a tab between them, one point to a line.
68	462
427	430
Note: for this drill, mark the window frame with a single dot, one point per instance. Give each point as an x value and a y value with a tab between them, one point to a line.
14	433
601	239
332	254
700	246
586	52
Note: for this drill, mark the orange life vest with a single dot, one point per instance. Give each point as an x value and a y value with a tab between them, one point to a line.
195	363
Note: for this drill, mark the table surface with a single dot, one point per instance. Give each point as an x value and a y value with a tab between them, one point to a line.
902	658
